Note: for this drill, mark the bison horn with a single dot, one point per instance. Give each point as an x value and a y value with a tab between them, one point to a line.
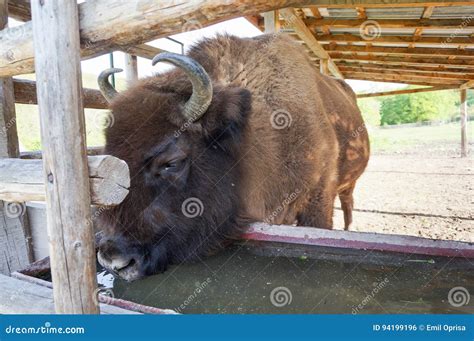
107	90
201	98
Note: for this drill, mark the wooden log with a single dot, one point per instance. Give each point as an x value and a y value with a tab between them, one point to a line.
106	26
405	91
271	21
441	41
308	37
431	61
314	23
402	67
463	104
23	180
15	234
21	297
131	68
66	174
19	10
256	21
25	93
467	85
324	67
335	50
143	51
385	3
401	79
382	70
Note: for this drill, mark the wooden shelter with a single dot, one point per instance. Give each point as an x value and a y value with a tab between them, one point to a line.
406	41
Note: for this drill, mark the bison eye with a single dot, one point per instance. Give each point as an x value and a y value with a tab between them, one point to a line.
170	165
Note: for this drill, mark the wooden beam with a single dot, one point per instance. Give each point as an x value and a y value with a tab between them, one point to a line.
464	141
71	235
400	79
19	10
427	12
143	50
131	68
324	68
454	24
361	13
22	180
271	21
463	104
308	37
467	85
255	21
441	41
405	91
401	67
433	60
25	93
337	50
382	70
316	12
383	3
111	25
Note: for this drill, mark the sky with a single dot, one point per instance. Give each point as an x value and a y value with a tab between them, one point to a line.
192	34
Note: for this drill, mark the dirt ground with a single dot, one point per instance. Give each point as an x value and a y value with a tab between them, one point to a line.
427	192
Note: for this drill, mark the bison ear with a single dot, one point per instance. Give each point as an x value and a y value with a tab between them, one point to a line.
227	116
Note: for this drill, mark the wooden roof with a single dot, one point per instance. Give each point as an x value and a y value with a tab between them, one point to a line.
423	43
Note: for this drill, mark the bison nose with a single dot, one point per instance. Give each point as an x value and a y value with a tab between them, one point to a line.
114	257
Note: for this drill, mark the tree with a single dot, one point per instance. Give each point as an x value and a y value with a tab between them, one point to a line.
418	107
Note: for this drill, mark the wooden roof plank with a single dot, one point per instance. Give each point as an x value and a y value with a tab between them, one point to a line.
406	91
308	37
442	41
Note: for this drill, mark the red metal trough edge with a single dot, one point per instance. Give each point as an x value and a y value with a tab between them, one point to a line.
358	240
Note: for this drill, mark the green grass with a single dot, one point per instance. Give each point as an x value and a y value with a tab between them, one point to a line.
28	119
399	139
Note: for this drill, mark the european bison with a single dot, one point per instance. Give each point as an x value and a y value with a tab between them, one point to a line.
242	130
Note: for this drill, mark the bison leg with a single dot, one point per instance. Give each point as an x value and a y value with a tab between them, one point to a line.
319	209
347	204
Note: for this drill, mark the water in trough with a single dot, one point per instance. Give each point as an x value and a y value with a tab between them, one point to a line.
249	279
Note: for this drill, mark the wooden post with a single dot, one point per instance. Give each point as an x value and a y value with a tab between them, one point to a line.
131	68
58	75
463	122
15	246
324	66
271	21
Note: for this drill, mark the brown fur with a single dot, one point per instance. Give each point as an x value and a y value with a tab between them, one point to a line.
281	176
